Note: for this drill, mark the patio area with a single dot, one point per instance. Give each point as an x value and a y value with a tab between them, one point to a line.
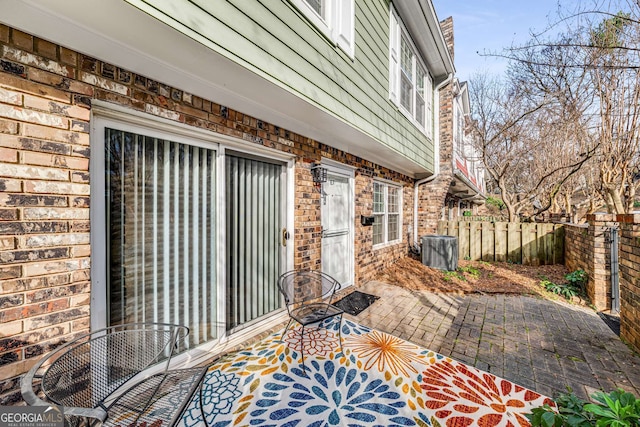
540	344
415	358
419	358
376	380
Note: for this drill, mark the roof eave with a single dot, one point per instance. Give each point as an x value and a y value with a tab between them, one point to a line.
416	15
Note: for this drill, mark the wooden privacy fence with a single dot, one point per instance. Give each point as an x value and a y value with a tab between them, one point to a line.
520	243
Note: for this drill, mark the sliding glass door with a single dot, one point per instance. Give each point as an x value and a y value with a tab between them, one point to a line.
161	216
253	224
163	253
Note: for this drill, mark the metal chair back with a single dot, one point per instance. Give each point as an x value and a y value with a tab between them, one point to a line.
81	374
308	296
96	365
302	287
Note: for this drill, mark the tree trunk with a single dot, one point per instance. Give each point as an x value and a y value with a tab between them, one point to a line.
615	204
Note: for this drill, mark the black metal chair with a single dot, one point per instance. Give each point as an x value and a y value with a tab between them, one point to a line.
308	296
97	377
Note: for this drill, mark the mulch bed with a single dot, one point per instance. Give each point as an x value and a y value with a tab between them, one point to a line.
474	277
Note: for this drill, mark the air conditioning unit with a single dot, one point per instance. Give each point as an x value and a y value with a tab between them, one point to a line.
440	252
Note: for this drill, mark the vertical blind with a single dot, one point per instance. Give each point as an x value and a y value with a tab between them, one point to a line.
253	203
161	233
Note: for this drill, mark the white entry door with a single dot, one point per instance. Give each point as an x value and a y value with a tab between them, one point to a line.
338	225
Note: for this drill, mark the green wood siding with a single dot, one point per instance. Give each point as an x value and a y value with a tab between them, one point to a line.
273	39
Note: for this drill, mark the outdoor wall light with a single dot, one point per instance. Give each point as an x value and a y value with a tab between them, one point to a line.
318	173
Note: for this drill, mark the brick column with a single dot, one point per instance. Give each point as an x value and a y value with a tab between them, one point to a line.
599	284
587	248
629	255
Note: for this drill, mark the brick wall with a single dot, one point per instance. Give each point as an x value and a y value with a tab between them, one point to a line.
46	93
446	25
432	195
370	262
629	255
577	247
44	202
599	286
587	247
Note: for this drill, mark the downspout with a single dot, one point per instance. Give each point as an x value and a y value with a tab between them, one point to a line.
436	158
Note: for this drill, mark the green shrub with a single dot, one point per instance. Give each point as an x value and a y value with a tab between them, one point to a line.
450	275
577	279
565	290
575	285
616	409
470	270
493	201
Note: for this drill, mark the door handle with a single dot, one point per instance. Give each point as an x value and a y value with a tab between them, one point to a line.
285	236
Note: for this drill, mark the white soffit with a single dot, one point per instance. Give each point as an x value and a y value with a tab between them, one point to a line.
120	34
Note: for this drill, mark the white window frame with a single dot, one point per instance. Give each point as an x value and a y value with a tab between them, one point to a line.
397	33
386	214
337	22
123	118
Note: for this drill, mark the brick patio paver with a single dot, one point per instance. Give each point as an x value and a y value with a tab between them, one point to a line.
541	344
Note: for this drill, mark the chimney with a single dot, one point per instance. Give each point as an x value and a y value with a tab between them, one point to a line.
446	25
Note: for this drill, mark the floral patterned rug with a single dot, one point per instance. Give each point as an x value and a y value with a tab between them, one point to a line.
376	380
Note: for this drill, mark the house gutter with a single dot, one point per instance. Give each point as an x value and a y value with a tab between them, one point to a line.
436	160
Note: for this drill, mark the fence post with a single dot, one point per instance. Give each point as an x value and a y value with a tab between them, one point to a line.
464	249
488	241
514	242
501	241
558	248
546	255
529	244
475	241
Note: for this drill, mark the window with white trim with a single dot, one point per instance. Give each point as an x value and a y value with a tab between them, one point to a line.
410	84
335	18
387	200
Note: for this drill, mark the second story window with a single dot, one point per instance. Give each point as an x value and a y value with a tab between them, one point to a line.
334	18
317	6
410	85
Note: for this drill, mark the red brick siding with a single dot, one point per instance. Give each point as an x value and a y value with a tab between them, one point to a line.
577	247
629	254
46	92
588	248
432	195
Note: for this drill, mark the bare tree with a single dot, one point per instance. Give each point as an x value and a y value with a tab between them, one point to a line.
580	196
618	84
588	78
529	134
